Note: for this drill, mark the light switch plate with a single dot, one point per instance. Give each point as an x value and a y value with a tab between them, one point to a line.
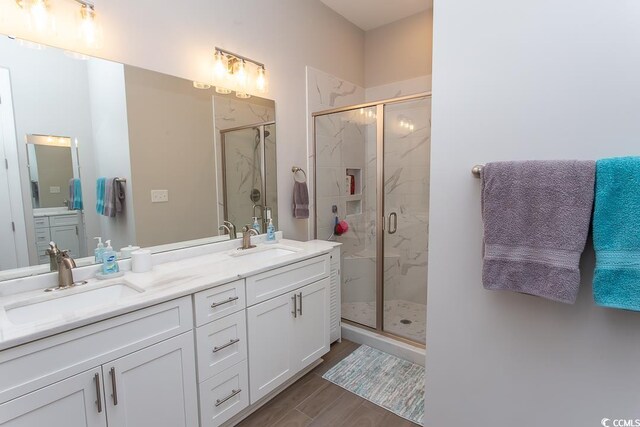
159	196
54	190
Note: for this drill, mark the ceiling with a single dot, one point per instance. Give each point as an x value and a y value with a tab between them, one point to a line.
370	14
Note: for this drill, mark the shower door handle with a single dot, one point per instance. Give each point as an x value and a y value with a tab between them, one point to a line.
395	222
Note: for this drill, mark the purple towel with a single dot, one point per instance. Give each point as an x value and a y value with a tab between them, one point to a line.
536	220
300	200
113	197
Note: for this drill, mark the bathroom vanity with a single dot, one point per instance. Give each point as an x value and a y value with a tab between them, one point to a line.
205	338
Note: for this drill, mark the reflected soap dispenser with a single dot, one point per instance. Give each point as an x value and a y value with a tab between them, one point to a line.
110	260
271	232
99	250
256	225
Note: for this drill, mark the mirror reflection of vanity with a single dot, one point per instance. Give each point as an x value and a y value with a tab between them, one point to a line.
169	152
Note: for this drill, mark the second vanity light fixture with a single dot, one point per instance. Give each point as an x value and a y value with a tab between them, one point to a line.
233	72
40	18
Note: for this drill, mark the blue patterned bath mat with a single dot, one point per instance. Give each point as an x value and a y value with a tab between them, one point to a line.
383	379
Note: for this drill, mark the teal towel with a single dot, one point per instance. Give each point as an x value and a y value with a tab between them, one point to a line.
616	233
100	193
75	195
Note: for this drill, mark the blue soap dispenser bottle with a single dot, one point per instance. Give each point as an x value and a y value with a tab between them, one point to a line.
99	250
110	260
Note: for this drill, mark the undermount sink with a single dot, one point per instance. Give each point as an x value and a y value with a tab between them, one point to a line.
265	252
68	301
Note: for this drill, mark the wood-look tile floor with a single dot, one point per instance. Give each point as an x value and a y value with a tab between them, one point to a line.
314	401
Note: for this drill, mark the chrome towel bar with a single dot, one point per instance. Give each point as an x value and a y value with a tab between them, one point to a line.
477	171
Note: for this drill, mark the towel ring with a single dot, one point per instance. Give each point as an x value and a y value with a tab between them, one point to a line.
296	169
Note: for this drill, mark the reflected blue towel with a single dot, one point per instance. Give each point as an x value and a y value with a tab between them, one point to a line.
75	195
616	233
100	193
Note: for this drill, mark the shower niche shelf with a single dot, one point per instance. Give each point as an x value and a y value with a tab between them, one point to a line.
354	207
355	187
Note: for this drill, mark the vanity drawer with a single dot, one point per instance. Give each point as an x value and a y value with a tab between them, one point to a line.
218	302
267	285
43	235
41	222
224	395
59	220
37	364
221	344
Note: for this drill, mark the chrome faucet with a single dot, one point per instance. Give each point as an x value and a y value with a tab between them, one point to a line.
247	232
231	229
64	266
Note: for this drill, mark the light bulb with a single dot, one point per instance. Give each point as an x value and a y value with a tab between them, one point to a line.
241	74
89	30
411	127
39	15
219	66
261	80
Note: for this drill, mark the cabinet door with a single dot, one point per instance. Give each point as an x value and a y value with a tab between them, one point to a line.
270	334
312	325
74	402
66	237
155	386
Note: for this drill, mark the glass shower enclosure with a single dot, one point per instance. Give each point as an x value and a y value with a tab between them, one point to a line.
372	170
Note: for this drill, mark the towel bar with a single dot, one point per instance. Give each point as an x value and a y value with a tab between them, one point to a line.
121	179
296	169
477	171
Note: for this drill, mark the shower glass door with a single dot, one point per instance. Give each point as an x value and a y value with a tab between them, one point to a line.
345	187
407	137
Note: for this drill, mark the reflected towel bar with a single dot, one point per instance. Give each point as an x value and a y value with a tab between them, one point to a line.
477	171
121	179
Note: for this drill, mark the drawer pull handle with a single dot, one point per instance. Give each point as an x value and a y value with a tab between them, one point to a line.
114	389
217	304
233	393
231	342
96	378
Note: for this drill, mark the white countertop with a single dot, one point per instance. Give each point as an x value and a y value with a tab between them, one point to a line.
175	274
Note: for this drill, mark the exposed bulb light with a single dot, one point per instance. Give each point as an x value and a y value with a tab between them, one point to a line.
38	15
261	80
219	66
241	74
89	29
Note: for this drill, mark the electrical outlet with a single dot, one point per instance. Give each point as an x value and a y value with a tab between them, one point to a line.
159	196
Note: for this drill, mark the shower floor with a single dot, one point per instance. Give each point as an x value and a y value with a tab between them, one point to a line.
395	311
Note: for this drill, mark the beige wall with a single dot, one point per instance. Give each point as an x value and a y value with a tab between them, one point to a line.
171	146
399	51
55	169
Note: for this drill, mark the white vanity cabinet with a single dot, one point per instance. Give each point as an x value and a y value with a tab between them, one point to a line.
62	229
132	370
290	330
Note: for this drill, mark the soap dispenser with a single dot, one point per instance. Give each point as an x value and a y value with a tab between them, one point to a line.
256	225
271	232
109	260
99	250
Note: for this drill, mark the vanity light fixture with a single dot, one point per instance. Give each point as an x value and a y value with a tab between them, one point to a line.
236	72
40	19
200	85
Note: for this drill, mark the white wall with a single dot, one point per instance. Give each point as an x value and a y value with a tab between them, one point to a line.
525	80
178	38
107	94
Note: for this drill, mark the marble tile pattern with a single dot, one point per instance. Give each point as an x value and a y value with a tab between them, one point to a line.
243	167
325	91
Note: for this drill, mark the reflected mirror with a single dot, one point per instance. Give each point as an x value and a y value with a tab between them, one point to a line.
97	148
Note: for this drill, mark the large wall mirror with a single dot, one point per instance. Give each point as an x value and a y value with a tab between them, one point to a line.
97	148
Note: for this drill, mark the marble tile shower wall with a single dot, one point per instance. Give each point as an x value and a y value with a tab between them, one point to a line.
407	160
